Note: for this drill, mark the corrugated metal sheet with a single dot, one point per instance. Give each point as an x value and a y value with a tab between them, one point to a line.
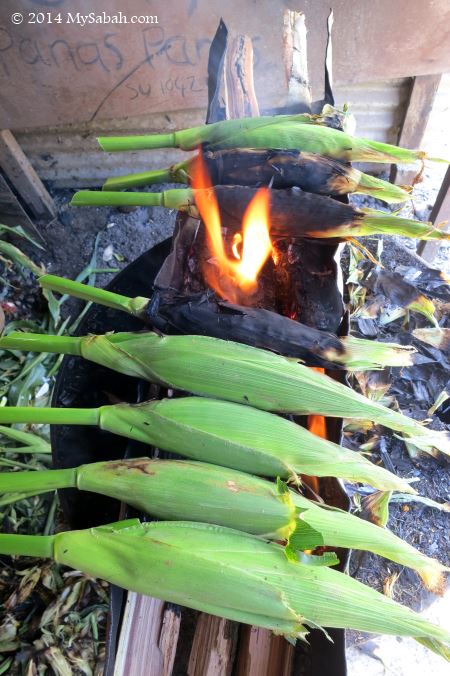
69	156
379	107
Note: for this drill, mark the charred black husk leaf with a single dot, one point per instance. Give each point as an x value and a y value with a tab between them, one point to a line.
206	315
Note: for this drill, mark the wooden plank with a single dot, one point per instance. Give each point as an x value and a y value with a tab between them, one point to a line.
261	653
214	647
295	60
439	213
150	652
23	177
239	89
420	104
11	211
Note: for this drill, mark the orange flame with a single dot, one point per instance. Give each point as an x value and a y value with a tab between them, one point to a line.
317	425
251	248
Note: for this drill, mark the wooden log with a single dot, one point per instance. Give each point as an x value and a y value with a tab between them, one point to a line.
313	271
439	213
421	99
23	177
214	646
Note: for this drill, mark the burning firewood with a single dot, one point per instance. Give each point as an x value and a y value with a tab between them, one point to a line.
230	574
206	315
222	433
289	132
230	371
293	212
279	168
235	500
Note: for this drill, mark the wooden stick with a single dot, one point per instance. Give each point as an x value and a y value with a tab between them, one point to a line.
23	177
11	211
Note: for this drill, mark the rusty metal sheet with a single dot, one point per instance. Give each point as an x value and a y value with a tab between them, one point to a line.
60	72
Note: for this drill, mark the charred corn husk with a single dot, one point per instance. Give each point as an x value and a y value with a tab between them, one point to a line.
436	337
292	339
288	132
221	433
222	496
293	212
228	573
280	169
231	371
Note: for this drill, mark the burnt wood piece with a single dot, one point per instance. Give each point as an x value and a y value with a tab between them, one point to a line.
293	212
280	169
239	89
393	287
205	315
311	271
216	60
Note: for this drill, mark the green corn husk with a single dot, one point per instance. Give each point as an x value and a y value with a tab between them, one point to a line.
231	371
281	169
221	433
294	213
355	353
280	131
228	573
225	497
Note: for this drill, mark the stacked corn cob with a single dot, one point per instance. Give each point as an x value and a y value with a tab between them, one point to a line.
230	431
285	593
309	156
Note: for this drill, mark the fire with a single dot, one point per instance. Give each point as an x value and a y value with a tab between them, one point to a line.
317	425
233	278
